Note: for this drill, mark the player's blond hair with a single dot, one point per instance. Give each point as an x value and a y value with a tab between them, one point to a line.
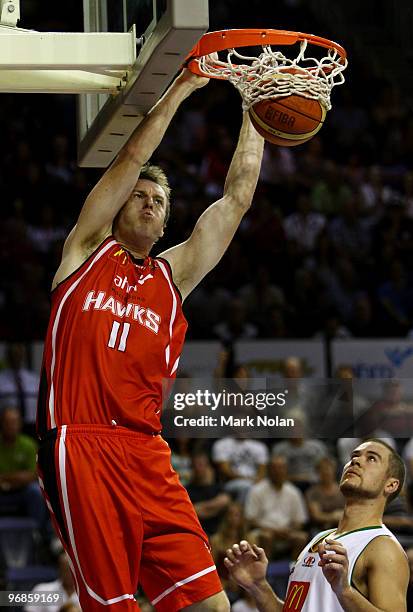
155	174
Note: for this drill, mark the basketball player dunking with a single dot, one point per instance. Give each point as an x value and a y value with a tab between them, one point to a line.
358	567
116	330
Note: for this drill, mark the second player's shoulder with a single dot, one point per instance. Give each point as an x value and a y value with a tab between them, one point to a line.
384	546
383	564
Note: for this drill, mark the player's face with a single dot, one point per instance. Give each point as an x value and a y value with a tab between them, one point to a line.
366	474
145	209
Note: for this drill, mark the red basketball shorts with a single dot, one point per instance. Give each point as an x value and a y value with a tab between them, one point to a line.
124	518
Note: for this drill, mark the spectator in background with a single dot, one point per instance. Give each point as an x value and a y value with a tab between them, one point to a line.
348	231
342	287
330	192
408	459
333	327
350	120
18	478
391	415
278	166
302	456
392	235
293	373
307	303
276	512
206	306
311	161
240	462
363	323
181	458
64	585
46	231
396	301
60	166
207	495
344	371
216	160
301	395
231	527
399	518
19	385
275	325
260	296
361	408
375	194
325	500
408	193
227	367
235	325
263	231
304	226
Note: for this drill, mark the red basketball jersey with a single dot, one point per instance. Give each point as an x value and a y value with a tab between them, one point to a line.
116	331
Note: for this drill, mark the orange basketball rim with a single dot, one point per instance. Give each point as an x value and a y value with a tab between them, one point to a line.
273	73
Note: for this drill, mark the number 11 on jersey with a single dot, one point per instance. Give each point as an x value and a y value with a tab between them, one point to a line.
114	333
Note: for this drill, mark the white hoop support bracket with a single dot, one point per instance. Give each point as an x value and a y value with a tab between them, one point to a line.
52	62
271	74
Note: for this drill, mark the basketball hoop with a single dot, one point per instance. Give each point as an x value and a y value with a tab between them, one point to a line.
270	74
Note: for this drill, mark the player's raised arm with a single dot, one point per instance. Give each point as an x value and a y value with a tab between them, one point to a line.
247	565
214	230
117	183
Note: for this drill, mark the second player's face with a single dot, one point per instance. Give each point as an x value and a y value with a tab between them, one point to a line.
366	474
146	208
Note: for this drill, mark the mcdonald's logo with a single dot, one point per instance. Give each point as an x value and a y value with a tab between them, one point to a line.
296	596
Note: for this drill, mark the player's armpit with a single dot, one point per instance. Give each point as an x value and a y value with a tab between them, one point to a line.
193	259
73	256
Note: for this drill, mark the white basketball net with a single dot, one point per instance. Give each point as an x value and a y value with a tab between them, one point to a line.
272	75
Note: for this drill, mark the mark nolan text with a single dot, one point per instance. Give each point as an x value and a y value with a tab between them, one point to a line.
231	421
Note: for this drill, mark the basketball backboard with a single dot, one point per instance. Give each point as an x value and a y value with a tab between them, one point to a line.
166	31
120	65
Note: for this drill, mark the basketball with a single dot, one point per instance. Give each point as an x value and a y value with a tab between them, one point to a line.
288	121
